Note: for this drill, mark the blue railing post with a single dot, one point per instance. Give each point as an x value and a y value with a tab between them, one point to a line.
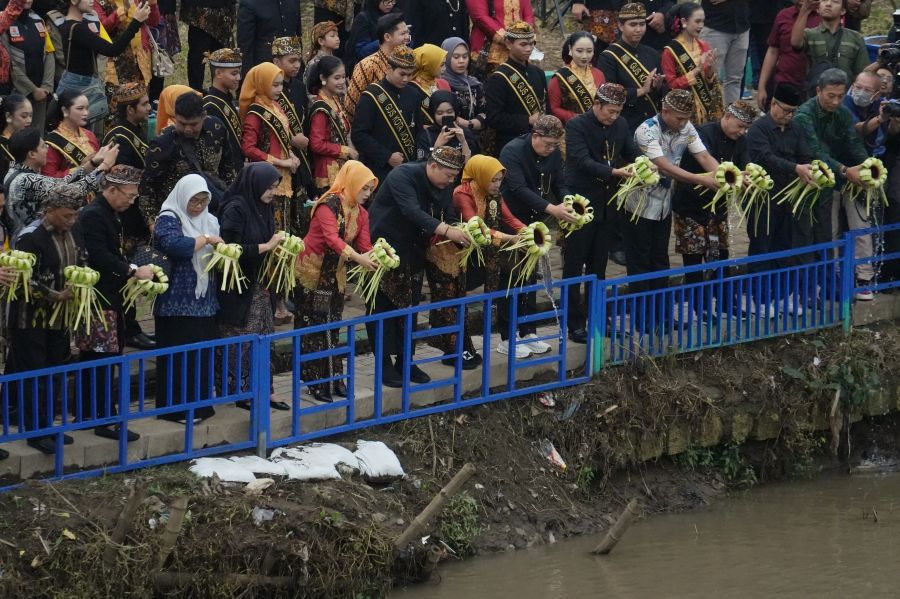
598	330
261	360
848	279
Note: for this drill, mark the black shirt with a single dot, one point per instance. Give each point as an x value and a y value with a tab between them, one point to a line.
777	151
25	37
371	135
505	112
687	201
653	38
592	151
637	109
86	43
732	16
102	231
132	140
407	209
433	21
531	182
261	21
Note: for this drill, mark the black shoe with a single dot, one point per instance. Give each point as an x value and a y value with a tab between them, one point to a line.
140	341
279	405
618	257
112	432
322	395
244	404
417	375
339	388
3	454
46	445
578	336
390	377
470	361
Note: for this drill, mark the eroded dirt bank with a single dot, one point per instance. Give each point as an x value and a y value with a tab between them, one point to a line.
733	417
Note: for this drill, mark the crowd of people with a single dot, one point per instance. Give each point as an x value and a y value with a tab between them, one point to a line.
398	121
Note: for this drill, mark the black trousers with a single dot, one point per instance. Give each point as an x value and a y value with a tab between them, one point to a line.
33	349
393	328
586	251
187	373
198	42
647	249
99	385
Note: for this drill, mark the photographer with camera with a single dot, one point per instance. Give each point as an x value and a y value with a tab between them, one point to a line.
890	112
863	100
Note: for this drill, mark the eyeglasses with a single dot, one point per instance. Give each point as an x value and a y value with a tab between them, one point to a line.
198	202
130	196
786	110
389	2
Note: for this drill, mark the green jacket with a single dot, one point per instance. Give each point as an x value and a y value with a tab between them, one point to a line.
830	135
852	57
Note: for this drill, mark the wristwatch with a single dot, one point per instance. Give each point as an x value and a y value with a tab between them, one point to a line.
132	268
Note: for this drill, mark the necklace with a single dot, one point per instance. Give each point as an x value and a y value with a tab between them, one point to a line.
450	6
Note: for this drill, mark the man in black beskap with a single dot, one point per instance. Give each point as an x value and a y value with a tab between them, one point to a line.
384	130
781	148
533	188
635	66
260	22
413	204
433	21
516	92
219	101
598	144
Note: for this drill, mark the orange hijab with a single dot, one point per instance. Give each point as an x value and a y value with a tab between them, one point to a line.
353	176
257	85
166	110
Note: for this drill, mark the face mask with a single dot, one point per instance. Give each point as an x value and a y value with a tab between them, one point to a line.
861	98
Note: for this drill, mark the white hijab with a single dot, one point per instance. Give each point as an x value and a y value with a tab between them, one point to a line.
202	224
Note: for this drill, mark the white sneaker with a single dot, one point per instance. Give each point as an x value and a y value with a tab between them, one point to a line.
764	310
536	347
864	296
522	350
798	311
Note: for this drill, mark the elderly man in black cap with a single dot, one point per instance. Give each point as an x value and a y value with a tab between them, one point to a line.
533	187
101	228
384	129
781	148
598	144
516	92
664	139
413	204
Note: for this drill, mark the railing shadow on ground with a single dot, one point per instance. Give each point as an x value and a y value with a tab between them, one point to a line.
675	311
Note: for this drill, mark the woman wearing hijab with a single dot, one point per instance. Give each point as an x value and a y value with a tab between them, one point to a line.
339	232
267	136
186	232
247	217
468	90
429	61
445	129
165	112
477	195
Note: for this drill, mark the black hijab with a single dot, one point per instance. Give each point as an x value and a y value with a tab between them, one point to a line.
440	97
245	194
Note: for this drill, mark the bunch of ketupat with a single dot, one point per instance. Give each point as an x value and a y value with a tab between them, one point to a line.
22	264
584	213
85	305
367	281
535	241
279	264
146	288
643	176
226	257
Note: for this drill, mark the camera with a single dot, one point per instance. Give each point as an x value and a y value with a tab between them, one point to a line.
889	55
891	108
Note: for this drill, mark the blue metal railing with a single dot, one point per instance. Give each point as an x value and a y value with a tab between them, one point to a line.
678	310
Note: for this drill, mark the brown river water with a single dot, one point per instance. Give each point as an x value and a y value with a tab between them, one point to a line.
799	539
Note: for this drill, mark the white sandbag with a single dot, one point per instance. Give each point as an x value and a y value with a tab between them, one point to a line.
259	465
377	462
317	461
226	470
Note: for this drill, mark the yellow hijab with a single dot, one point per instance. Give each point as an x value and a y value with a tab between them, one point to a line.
166	110
429	59
480	169
352	177
257	85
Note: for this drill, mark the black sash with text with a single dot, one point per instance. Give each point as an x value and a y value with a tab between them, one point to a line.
121	134
393	116
336	125
68	149
523	90
575	87
227	113
702	92
634	67
296	123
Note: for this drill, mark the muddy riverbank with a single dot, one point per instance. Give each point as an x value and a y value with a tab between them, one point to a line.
730	418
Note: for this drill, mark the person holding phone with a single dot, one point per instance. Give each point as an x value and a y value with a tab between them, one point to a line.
444	131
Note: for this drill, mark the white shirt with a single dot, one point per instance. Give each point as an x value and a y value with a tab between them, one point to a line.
656	140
